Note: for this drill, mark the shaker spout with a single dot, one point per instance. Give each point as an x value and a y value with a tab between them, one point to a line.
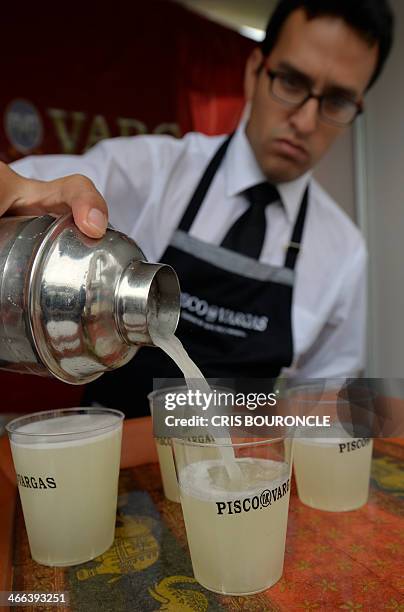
147	302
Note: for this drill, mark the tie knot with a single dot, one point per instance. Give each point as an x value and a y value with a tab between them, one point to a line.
263	194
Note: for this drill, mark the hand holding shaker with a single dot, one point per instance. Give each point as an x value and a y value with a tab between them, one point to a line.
75	306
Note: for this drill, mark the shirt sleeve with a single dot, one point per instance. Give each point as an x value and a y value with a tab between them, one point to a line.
121	169
340	348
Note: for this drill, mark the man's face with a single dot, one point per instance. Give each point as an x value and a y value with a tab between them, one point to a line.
288	141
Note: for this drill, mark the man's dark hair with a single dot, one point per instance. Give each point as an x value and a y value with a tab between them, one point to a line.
372	19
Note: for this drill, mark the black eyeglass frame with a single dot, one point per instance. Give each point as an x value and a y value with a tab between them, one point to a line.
273	74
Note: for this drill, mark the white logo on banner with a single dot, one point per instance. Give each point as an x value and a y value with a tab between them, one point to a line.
23	125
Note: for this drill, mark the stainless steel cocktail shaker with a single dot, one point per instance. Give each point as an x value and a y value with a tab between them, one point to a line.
74	306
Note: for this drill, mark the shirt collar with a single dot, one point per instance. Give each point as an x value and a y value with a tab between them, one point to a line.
242	171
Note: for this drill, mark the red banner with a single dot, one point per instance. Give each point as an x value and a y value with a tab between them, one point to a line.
71	78
70	81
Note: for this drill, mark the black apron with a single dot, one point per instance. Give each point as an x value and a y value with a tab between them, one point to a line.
236	313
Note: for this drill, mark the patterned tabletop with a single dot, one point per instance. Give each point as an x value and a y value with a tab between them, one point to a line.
334	561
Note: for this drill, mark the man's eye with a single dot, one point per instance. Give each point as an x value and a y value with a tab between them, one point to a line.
337	103
292	83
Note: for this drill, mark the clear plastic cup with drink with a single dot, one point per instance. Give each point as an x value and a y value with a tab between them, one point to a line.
167	468
67	466
164	444
332	465
164	447
235	520
333	473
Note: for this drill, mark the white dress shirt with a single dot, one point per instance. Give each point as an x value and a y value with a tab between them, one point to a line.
148	181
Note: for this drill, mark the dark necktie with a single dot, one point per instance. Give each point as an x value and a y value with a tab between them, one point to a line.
247	234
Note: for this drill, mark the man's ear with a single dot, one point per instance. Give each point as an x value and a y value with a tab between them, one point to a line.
251	73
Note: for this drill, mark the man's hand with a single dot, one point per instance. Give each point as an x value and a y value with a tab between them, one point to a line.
22	196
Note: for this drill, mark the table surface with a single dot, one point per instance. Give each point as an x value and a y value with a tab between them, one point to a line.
333	561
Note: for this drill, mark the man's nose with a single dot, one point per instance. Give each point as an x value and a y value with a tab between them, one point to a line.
305	118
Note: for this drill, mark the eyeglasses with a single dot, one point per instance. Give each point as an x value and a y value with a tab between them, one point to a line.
293	90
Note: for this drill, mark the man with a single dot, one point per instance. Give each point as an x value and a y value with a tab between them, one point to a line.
272	271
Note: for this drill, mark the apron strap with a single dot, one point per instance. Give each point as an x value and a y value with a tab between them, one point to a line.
296	239
203	186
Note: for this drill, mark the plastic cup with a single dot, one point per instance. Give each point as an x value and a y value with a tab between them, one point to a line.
165	449
167	468
236	530
164	445
67	465
332	466
333	474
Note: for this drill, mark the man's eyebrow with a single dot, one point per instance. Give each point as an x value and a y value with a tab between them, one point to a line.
334	88
296	72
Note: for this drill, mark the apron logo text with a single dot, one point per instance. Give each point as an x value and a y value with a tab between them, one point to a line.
212	313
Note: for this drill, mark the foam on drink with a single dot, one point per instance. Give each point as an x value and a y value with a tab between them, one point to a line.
66	428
